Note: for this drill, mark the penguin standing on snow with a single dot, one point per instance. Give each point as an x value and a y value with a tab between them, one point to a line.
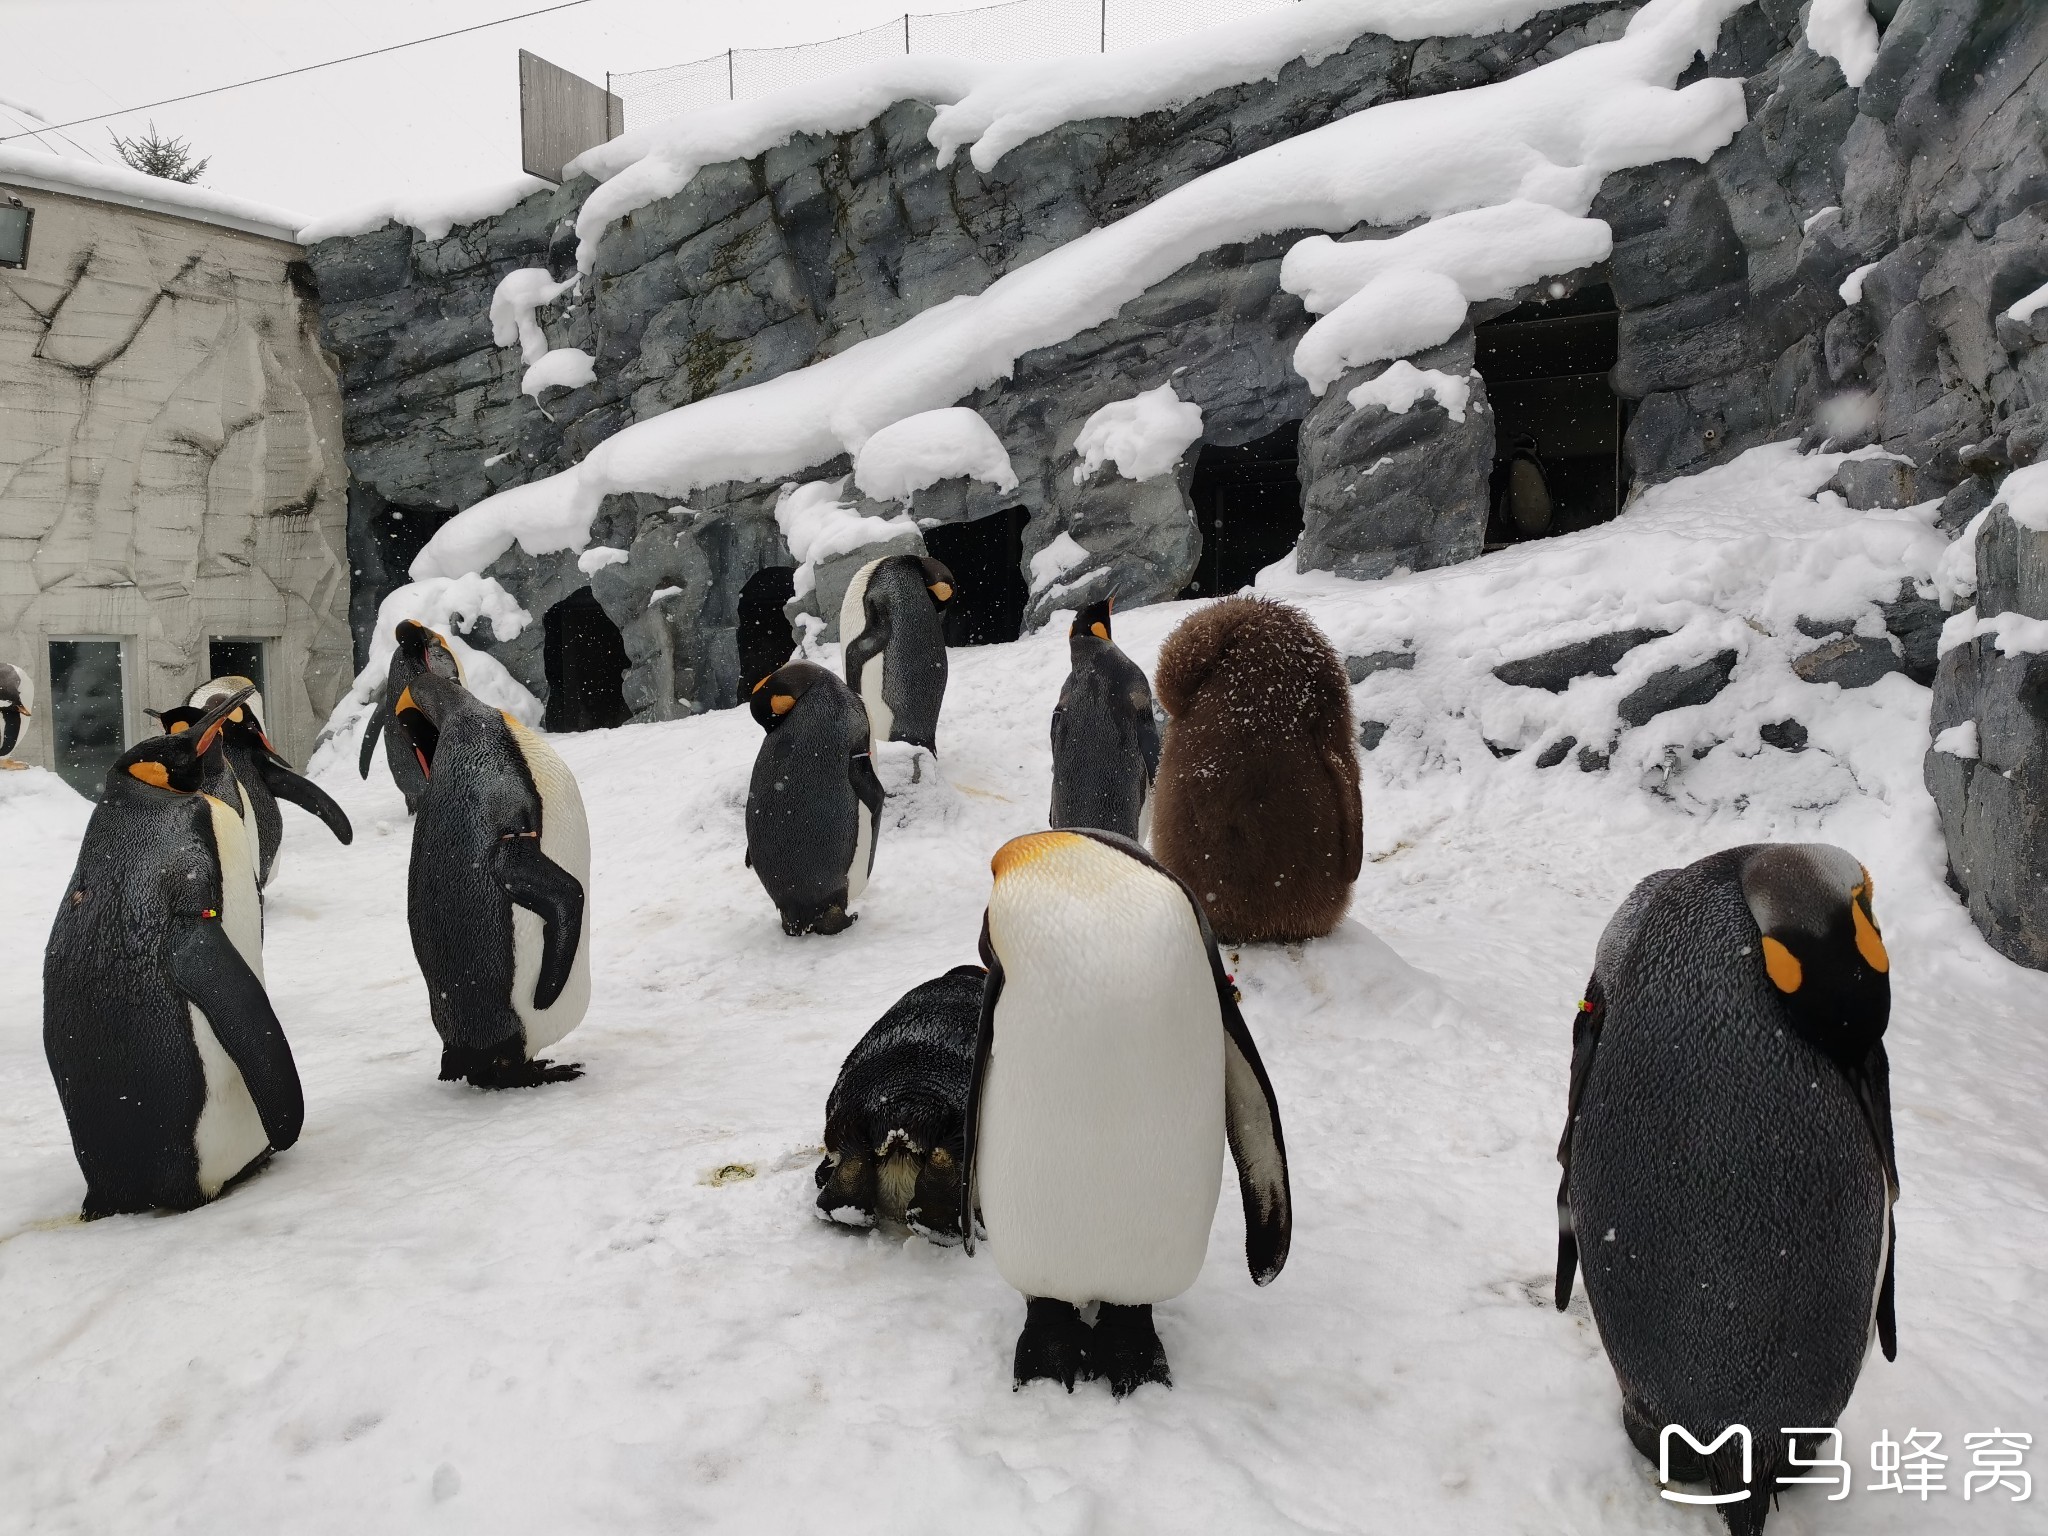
400	756
216	775
894	1125
814	805
1728	1168
497	894
1105	738
265	778
175	1076
1258	806
1111	1066
17	694
895	647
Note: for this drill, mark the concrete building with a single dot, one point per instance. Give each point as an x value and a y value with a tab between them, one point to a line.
172	490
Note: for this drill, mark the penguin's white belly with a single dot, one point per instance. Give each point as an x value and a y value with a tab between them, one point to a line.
853	618
863	853
564	838
1099	1153
229	1135
881	719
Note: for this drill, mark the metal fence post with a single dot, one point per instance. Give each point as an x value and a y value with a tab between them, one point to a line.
1105	26
731	91
906	32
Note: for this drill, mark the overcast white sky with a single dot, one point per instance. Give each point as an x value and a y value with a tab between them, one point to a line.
442	115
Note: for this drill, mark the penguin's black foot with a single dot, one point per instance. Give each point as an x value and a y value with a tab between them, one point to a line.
1125	1351
503	1067
1054	1343
834	919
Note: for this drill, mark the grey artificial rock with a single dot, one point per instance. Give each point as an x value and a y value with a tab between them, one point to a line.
1556	752
1785	735
1915	622
1853	661
1677	688
1961	504
1371	733
1359	668
1868	484
1553	670
1140	536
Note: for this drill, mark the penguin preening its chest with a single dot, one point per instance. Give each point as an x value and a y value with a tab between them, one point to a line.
1257	805
175	1076
17	695
894	1124
400	756
894	646
1111	1066
1728	1166
497	892
1105	738
264	777
814	805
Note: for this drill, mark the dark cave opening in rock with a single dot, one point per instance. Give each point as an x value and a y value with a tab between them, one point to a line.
1558	425
585	659
986	558
1247	505
766	637
383	541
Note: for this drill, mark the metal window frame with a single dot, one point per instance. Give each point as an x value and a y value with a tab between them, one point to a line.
131	706
28	229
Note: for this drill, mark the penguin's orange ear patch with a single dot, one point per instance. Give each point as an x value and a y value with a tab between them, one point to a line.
404	703
1782	966
1099	629
782	703
151	773
761	684
236	717
179	727
943	591
1868	944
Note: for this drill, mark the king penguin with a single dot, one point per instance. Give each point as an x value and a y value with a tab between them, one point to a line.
1105	738
400	757
265	777
1728	1167
894	645
1111	1066
216	776
497	894
17	695
814	805
175	1076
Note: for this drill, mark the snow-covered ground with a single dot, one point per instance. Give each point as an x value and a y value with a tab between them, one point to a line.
560	1310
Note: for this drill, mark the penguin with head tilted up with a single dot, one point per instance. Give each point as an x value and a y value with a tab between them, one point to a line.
1728	1168
400	756
265	777
1105	738
894	645
894	1125
814	805
175	1076
497	897
1111	1066
17	696
216	775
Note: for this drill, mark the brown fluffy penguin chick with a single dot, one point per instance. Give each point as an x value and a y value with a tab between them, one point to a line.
1257	806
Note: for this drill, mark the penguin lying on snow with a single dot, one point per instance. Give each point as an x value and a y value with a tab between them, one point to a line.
894	646
1258	804
497	895
1111	1064
814	805
17	694
893	1137
1105	738
407	773
265	777
1728	1166
175	1076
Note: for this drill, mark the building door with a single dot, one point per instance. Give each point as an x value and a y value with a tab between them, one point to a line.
88	711
235	658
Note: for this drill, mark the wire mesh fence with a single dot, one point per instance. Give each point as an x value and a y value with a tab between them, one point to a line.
1019	30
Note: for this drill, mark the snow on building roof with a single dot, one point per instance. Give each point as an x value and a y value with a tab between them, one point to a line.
80	177
1549	136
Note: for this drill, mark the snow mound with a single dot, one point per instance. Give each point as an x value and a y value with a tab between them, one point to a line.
2025	308
817	523
516	297
1402	384
922	450
1143	436
1959	741
562	368
1055	560
433	214
595	559
1547	136
35	167
1842	30
2024	495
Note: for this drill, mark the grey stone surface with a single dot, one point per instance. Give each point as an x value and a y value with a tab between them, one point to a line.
1554	670
1866	484
1359	668
1677	688
1853	661
1785	735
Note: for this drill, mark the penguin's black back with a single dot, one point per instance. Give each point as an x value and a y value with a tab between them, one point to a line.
117	1034
460	915
1726	1191
803	816
914	663
1105	741
911	1070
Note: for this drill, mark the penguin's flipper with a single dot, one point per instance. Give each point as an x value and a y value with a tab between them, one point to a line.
865	646
370	734
984	1043
1253	1120
1887	1316
210	973
287	783
537	883
1874	1091
1586	1025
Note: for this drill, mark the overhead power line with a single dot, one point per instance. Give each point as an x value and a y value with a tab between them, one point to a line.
283	74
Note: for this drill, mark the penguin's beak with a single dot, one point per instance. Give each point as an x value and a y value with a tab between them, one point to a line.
210	723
